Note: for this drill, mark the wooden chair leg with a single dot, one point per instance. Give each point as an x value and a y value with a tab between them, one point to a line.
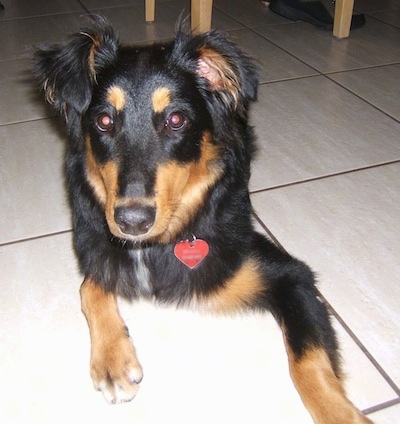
342	20
150	10
201	12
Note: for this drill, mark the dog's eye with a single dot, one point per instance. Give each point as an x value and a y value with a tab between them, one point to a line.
104	123
176	121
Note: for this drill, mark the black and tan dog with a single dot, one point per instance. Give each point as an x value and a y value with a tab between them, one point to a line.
158	164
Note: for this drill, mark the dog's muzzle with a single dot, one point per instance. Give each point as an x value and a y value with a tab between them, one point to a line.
135	220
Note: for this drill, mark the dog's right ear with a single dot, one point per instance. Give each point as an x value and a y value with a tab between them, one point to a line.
67	71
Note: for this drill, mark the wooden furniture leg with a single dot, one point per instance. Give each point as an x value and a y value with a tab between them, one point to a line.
342	20
201	12
149	10
201	15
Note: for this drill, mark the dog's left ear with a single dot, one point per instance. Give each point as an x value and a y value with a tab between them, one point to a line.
223	69
67	71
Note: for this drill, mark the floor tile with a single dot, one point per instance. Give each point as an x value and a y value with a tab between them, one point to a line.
32	195
27	8
131	26
99	4
358	371
312	127
391	17
376	6
20	99
274	62
23	34
387	416
375	44
346	228
379	86
249	13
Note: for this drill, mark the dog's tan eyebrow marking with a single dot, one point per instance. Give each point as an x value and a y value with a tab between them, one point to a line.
161	98
116	96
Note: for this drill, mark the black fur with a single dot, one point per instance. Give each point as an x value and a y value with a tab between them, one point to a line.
224	220
76	75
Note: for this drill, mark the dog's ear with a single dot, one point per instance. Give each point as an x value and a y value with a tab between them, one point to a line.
222	68
67	71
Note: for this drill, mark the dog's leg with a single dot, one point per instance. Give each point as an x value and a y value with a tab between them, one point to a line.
285	287
320	389
312	348
114	367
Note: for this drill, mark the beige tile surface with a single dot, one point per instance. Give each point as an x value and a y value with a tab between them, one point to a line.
346	228
387	416
375	44
21	100
249	13
275	64
20	35
391	17
25	8
379	86
310	127
32	194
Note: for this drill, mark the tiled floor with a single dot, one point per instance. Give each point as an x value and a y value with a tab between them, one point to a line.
325	185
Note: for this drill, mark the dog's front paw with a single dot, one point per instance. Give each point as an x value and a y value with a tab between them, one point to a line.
115	370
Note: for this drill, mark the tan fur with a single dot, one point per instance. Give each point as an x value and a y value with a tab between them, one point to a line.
180	190
116	97
104	181
219	73
113	358
240	290
92	55
321	391
93	175
161	98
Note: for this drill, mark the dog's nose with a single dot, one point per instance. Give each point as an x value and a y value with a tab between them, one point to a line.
135	219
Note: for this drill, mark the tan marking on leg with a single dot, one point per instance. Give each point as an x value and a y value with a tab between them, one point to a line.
181	190
161	98
116	97
114	367
238	292
321	391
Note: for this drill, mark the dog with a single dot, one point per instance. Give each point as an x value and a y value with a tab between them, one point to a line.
158	165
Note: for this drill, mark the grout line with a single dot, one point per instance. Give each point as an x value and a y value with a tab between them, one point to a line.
335	174
83	6
361	346
27	239
269	233
381	406
348	330
359	96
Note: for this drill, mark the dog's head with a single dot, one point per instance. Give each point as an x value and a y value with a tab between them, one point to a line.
153	123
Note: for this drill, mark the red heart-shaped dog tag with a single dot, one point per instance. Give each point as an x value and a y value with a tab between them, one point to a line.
191	253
